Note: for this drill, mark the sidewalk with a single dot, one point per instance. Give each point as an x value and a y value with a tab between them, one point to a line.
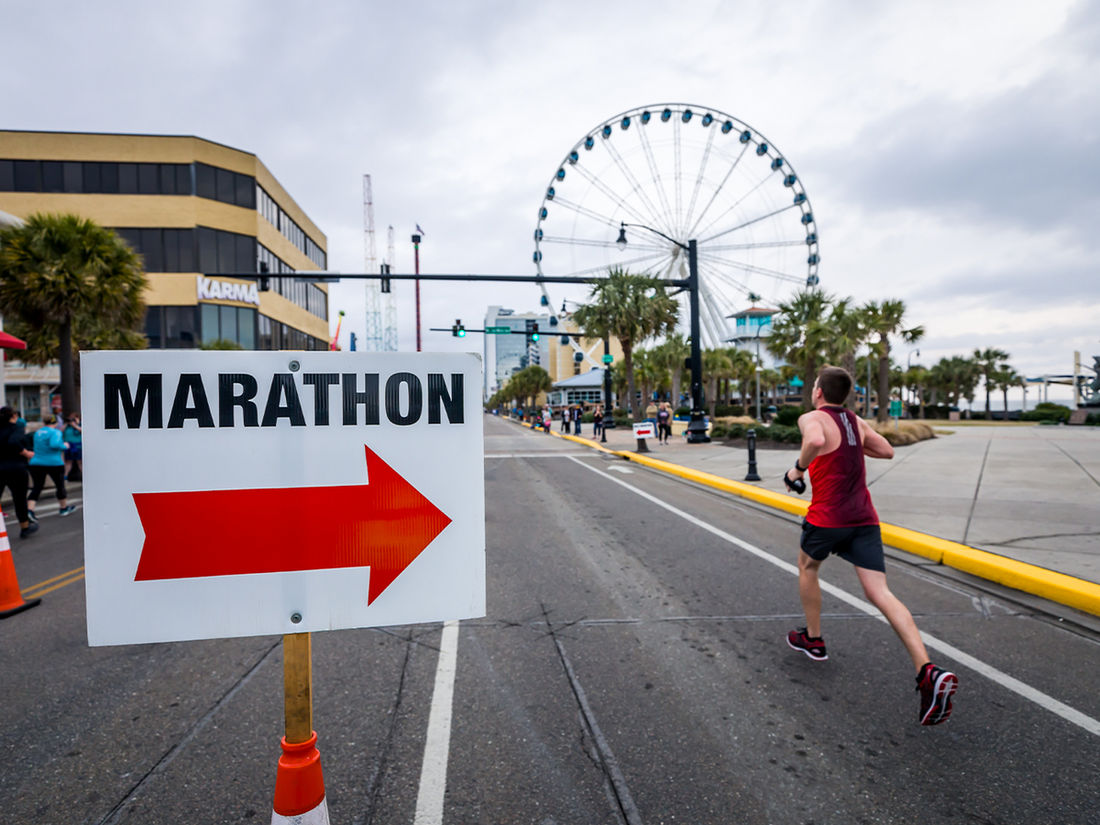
1029	493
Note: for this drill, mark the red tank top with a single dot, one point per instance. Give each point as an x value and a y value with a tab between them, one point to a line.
840	494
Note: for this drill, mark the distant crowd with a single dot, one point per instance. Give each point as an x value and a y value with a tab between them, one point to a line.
27	460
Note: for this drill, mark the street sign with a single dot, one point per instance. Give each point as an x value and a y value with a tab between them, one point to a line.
895	408
255	493
644	429
607	359
498	330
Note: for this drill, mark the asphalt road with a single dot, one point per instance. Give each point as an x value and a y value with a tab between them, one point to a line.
632	669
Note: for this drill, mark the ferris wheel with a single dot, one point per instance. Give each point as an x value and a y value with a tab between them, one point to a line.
684	172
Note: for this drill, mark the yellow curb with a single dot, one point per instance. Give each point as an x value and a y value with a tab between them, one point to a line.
1058	587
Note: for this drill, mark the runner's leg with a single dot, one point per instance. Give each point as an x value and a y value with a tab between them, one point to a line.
809	590
874	585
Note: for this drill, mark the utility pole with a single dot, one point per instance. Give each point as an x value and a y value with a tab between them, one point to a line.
416	270
372	338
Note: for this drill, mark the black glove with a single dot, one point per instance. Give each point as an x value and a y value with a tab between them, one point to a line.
796	485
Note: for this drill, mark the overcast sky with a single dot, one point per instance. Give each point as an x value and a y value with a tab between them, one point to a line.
949	149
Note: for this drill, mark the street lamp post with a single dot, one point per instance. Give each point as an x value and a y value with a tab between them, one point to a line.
697	426
608	406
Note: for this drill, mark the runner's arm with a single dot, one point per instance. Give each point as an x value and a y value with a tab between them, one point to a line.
813	442
874	445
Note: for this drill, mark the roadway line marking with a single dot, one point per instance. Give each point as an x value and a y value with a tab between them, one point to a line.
1003	679
433	773
27	590
57	586
547	454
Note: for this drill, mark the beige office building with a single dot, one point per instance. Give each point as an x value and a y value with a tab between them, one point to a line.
201	214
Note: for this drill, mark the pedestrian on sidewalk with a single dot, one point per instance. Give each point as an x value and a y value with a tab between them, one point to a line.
842	520
664	424
597	422
74	455
13	467
547	417
578	413
565	420
49	461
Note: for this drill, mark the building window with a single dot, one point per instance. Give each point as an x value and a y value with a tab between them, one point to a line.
288	228
97	178
230	323
308	296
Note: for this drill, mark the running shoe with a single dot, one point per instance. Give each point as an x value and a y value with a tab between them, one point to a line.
64	511
31	527
936	687
813	647
31	517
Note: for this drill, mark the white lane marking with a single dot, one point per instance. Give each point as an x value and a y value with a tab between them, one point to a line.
437	747
626	470
546	454
991	673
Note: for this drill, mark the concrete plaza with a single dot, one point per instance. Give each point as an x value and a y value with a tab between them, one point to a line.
1031	493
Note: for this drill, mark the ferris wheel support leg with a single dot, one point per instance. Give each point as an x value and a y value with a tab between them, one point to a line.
697	426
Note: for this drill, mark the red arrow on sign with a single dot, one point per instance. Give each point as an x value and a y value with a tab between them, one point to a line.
382	525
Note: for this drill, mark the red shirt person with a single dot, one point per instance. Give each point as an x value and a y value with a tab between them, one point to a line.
842	520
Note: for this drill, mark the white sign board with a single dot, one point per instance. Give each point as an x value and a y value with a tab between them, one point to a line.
256	493
644	429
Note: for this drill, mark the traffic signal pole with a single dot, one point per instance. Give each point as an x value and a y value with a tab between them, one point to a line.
416	270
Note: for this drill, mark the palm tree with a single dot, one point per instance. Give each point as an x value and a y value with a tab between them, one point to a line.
65	281
884	320
797	335
918	377
633	309
842	334
716	366
770	381
672	354
990	361
743	370
1005	379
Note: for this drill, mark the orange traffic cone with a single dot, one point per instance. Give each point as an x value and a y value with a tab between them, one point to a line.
299	785
11	600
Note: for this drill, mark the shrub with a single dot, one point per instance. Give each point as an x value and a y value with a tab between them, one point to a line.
682	411
727	410
907	432
718	431
588	417
785	434
788	416
1047	412
737	431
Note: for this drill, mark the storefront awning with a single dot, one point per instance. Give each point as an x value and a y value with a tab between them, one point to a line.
11	342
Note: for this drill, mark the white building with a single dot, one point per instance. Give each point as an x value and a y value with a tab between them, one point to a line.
506	355
753	327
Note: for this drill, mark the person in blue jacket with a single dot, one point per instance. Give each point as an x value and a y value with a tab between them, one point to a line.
49	461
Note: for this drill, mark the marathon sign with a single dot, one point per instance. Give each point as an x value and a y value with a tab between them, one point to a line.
255	493
209	288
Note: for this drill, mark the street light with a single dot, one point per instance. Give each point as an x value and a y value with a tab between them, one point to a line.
697	426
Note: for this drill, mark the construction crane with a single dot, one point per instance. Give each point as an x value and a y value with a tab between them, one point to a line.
372	335
389	332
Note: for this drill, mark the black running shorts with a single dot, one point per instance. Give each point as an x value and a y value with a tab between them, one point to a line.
862	546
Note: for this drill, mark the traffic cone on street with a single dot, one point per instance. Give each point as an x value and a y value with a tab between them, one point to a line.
299	785
11	600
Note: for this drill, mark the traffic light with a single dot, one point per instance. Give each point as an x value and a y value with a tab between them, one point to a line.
265	282
532	331
385	281
458	331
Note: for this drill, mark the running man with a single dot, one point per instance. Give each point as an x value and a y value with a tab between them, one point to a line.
843	520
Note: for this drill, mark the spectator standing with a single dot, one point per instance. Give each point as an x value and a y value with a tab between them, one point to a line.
565	419
74	456
48	461
547	417
578	411
664	424
597	422
13	467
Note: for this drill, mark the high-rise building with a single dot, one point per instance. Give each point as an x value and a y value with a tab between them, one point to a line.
199	213
506	355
